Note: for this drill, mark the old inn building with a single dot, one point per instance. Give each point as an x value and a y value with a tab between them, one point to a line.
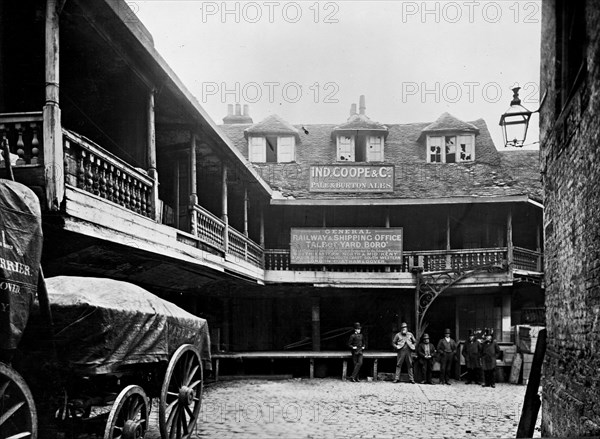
282	236
426	223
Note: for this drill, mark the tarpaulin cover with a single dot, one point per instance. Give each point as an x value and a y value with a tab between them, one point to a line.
20	252
102	325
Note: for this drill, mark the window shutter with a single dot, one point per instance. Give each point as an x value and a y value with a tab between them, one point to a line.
257	151
465	148
375	149
285	149
434	149
345	146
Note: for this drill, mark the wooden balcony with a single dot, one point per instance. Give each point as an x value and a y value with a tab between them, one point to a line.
22	132
213	232
433	260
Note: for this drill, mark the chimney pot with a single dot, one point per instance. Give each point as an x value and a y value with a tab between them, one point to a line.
229	109
362	107
352	109
246	110
238	110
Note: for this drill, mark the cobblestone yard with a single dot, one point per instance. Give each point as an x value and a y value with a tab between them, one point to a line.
330	408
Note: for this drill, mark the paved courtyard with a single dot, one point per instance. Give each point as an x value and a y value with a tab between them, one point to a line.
330	408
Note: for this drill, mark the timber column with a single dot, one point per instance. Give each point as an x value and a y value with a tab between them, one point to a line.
224	210
52	130
151	152
193	185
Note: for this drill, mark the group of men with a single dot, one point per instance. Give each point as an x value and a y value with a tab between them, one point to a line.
478	355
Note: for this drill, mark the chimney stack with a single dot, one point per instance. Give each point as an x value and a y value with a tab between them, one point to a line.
236	116
352	109
362	106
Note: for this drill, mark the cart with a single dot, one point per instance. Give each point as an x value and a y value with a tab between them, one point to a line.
92	351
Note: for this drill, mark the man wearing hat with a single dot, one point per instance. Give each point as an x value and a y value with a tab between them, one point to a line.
356	344
446	349
489	352
425	351
404	343
472	353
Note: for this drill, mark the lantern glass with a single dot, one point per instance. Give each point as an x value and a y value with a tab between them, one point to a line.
515	122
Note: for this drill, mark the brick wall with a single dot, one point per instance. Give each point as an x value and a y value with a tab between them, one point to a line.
570	139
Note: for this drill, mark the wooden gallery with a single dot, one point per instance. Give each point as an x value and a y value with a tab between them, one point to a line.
281	236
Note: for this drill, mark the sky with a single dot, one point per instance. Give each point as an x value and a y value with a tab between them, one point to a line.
308	61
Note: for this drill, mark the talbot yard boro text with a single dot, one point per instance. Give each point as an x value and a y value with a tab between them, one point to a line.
351	178
346	246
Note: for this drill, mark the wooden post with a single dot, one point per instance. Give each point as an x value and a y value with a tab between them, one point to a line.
151	154
448	257
532	402
344	369
176	194
375	369
316	323
52	129
246	223
509	241
387	226
193	186
224	215
262	226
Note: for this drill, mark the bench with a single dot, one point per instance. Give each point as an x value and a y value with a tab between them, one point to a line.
308	355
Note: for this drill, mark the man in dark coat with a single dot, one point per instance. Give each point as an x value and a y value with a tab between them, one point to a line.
489	353
404	344
425	351
472	353
357	345
446	350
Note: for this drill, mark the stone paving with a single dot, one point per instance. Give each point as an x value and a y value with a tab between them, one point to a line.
330	408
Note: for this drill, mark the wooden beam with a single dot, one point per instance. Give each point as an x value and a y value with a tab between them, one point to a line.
193	185
532	402
246	211
316	323
509	240
52	128
224	210
355	201
151	153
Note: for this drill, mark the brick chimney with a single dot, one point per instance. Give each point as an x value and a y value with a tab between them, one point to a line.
352	109
361	106
237	117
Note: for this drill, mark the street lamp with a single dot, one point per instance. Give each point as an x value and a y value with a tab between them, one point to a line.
515	121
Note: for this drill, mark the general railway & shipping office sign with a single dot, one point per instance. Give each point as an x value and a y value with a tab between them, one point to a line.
351	178
373	246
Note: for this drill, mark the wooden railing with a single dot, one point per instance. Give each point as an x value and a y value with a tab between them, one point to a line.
22	132
434	260
526	259
211	231
97	171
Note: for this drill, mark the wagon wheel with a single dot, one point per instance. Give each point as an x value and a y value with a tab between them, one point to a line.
181	394
18	417
128	418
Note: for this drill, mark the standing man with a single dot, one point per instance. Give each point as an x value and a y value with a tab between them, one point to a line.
490	351
425	351
447	350
404	343
472	353
357	345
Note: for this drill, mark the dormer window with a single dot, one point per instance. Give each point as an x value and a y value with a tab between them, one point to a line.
450	148
272	149
360	148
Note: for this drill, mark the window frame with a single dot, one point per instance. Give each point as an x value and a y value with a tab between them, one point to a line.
457	149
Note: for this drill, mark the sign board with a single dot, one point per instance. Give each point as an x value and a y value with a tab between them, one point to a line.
352	246
351	178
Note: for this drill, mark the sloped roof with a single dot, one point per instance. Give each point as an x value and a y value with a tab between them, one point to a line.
272	124
447	122
491	174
